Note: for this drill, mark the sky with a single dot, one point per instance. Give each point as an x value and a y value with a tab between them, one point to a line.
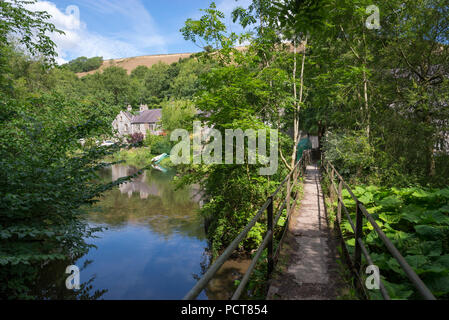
126	28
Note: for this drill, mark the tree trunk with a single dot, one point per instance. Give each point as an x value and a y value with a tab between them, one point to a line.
365	97
297	108
431	151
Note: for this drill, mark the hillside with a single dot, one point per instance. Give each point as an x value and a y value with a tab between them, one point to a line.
129	64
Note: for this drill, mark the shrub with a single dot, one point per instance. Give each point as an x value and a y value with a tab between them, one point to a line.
416	220
135	138
351	153
46	183
158	144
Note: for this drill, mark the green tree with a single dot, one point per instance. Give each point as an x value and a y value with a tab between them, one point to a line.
157	82
47	179
186	83
177	114
243	91
83	64
140	72
116	81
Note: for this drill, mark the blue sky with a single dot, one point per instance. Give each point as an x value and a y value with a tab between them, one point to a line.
126	28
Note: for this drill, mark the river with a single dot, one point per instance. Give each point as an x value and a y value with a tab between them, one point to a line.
154	246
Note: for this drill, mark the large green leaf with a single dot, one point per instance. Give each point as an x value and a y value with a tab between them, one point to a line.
428	248
390	202
429	232
393	264
443	260
439	285
412	213
434	217
417	262
398	291
390	218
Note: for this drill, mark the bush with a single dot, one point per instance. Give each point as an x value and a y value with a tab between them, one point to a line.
46	183
158	144
83	64
351	153
416	220
135	139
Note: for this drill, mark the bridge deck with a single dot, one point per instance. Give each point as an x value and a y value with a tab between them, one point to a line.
307	267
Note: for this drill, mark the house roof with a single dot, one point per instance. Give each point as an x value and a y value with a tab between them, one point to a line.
148	116
128	114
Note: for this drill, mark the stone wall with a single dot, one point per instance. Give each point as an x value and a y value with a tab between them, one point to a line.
122	124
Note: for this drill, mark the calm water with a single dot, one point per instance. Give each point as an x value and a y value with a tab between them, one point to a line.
154	246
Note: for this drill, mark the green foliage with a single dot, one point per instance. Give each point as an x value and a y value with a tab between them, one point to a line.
186	82
116	81
83	64
388	83
416	220
112	86
210	28
151	86
158	144
47	179
351	153
140	72
157	82
138	157
177	114
29	28
300	16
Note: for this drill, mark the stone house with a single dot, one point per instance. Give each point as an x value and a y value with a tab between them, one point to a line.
122	122
146	120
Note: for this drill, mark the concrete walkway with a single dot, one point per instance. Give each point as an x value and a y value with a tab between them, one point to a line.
307	268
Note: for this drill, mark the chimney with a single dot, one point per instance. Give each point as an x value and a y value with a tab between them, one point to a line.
143	107
129	108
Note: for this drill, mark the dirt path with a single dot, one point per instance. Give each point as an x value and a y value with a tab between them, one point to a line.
307	267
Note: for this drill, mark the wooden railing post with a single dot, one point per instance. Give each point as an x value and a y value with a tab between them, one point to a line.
289	191
270	242
340	187
295	173
358	234
331	187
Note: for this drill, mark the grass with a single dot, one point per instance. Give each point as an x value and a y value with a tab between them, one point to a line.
138	157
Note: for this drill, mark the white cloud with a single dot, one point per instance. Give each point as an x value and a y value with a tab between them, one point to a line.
140	33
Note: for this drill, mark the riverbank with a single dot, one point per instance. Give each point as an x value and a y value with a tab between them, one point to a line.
139	157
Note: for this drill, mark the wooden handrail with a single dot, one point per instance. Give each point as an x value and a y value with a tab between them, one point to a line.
360	248
267	241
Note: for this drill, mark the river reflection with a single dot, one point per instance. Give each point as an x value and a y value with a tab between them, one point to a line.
149	201
154	246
